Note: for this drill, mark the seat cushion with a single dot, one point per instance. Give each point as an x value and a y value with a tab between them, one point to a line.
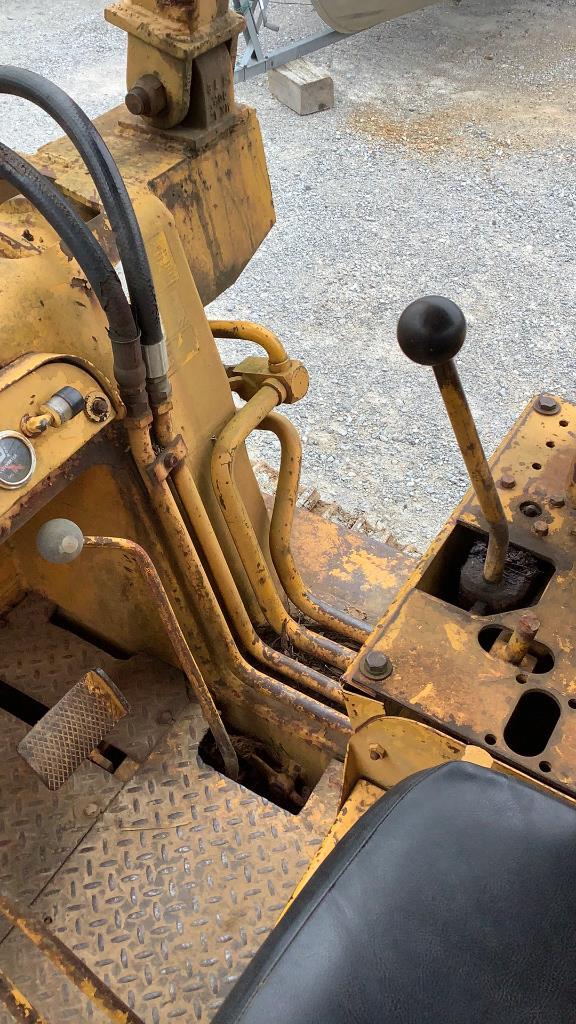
451	901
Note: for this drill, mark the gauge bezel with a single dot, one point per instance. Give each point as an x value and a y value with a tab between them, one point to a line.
21	483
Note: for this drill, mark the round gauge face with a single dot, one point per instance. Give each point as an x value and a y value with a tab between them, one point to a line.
17	459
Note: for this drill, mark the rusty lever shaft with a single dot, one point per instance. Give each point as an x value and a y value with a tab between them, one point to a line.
431	331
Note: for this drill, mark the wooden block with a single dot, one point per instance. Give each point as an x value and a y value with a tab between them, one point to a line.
302	87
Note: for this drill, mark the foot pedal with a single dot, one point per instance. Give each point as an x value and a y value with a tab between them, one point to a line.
67	734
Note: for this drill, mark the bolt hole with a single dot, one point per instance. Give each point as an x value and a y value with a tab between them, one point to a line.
521	678
545	766
490	738
48	919
572	703
536	465
563	423
550	444
531	509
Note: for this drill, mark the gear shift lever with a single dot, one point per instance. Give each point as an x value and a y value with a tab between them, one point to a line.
431	332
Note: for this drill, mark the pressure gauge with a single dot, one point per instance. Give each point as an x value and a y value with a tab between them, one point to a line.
17	460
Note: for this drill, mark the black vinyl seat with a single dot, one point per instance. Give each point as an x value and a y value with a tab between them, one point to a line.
452	901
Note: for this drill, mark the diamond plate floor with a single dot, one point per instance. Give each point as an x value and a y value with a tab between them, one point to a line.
175	887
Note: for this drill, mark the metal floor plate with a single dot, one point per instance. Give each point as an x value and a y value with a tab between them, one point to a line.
165	885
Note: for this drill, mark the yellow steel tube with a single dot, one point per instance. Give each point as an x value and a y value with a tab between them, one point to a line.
177	639
16	1003
281	531
200	521
478	469
333	726
245	330
233	435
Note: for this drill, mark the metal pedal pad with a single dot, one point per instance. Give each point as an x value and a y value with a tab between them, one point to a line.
67	734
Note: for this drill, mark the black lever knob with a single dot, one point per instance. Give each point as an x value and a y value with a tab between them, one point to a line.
431	331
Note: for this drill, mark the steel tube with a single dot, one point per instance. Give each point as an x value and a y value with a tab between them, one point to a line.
234	434
281	525
245	330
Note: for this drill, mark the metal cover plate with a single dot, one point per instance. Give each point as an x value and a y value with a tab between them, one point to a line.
175	887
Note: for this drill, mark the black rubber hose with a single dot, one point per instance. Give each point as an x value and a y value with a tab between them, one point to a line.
109	184
124	335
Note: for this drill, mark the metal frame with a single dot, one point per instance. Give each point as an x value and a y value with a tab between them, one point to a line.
254	61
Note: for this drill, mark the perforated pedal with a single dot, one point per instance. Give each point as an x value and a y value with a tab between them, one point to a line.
67	734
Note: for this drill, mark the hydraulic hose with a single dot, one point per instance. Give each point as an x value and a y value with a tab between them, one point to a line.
110	186
129	367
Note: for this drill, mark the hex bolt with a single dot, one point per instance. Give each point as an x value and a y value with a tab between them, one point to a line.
100	407
540	528
147	97
557	500
377	665
547	405
507	481
376	751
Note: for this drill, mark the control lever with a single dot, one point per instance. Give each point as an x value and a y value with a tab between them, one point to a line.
431	331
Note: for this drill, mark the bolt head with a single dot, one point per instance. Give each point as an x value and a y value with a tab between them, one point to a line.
376	751
557	500
540	528
507	481
377	665
547	404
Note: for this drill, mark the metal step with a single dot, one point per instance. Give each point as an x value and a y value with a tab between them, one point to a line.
69	733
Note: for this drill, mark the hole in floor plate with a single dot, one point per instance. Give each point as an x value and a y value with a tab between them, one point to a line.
545	766
269	773
536	465
563	423
542	655
490	738
29	710
526	574
550	444
531	509
521	678
531	724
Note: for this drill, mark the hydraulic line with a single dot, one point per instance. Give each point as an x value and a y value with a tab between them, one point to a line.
281	531
303	675
109	183
232	436
245	330
129	367
331	727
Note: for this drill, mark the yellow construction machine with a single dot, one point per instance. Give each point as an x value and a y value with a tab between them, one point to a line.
254	767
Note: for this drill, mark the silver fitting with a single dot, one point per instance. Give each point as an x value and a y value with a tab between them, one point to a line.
156	360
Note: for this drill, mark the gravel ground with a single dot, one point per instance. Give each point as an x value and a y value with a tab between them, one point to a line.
447	165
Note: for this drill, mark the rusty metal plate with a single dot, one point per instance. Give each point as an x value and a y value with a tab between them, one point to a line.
58	657
68	733
441	673
176	886
39	829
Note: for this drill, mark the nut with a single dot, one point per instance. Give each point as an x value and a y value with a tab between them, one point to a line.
507	481
147	97
377	665
540	528
547	405
557	500
96	407
376	751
